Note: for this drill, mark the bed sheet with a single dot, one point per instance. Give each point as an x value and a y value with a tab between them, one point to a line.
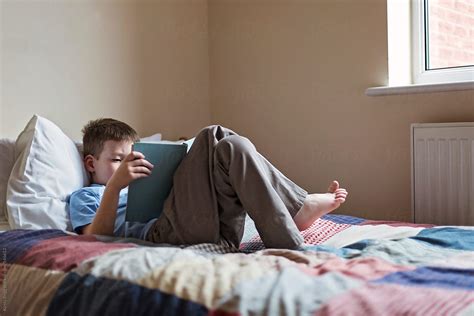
350	266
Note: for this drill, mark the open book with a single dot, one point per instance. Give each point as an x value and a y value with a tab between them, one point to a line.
146	196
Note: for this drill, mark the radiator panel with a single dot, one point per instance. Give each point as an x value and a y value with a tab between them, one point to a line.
443	173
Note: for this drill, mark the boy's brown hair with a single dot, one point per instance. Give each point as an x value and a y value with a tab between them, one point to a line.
97	132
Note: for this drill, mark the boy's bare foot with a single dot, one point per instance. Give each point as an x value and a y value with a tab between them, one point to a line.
319	204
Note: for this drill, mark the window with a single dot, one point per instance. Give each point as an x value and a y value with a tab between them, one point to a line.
430	46
442	41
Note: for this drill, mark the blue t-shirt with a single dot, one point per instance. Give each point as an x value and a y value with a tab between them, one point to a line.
83	205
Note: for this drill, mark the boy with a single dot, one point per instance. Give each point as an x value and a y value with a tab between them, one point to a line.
222	178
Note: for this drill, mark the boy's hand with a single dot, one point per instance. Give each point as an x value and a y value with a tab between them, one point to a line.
134	166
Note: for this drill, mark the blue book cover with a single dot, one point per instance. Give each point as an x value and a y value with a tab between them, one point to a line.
146	196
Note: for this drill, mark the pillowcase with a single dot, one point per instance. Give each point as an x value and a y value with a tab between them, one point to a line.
153	138
7	158
48	168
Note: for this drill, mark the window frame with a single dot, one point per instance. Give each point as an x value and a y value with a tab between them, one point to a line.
420	75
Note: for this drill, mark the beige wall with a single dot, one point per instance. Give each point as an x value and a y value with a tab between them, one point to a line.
141	61
291	75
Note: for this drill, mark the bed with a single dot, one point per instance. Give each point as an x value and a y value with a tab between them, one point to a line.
350	266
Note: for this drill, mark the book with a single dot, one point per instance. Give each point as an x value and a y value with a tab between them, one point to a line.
146	196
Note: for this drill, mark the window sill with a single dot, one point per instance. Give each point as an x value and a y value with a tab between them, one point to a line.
420	88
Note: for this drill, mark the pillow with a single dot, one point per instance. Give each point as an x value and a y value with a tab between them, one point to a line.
48	168
7	158
153	138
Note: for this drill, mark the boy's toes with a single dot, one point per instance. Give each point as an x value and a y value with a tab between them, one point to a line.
333	186
340	200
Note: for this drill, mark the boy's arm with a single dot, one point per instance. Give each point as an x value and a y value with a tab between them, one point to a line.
104	220
134	166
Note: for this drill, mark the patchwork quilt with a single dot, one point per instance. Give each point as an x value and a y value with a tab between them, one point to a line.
349	266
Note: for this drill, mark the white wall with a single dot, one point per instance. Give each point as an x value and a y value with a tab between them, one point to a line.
144	62
291	75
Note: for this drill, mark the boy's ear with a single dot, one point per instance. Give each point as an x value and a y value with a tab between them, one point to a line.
89	163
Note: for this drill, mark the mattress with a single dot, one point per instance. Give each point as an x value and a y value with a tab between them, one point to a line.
7	159
350	266
4	226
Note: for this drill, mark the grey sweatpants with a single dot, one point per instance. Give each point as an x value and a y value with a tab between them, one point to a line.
222	178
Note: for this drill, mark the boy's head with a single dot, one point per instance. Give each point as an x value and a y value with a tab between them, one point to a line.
106	143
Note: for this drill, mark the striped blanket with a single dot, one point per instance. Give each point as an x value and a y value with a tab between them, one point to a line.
350	266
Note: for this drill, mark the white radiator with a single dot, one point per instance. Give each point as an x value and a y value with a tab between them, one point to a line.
443	173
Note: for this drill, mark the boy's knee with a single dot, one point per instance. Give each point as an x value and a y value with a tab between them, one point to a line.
218	132
209	128
234	144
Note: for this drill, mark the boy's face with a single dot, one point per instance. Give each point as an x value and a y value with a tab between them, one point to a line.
109	160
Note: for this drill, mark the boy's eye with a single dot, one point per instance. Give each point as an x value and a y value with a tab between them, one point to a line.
116	160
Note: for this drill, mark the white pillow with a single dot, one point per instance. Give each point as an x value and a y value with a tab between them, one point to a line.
153	138
48	168
7	158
